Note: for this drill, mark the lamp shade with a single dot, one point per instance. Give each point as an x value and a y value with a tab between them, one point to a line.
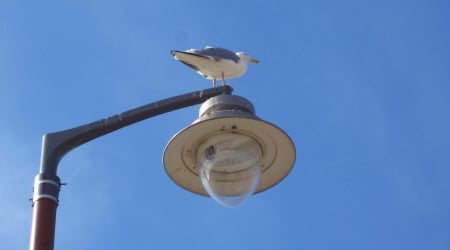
231	149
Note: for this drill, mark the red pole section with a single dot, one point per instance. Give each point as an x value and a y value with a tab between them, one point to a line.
43	225
45	201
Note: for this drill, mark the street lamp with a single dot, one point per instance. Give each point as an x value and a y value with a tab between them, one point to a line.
228	153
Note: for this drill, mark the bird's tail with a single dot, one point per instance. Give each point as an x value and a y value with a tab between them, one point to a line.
175	52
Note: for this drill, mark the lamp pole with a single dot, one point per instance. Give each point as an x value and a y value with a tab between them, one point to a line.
55	145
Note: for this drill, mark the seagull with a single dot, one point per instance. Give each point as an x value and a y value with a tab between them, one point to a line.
215	63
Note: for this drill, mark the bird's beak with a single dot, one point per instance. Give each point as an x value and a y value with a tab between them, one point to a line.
253	60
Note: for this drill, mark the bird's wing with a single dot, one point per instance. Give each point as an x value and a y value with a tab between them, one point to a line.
217	53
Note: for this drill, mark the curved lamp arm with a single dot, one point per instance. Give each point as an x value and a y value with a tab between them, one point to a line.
56	145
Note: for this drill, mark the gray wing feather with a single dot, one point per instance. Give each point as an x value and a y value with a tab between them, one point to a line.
218	54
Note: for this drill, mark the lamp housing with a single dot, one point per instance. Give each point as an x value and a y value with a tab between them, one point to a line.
229	153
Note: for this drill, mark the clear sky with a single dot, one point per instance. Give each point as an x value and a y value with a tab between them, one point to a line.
362	88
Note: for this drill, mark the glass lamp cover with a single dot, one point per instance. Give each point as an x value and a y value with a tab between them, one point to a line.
230	168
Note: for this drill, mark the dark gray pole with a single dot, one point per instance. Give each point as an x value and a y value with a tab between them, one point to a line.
55	145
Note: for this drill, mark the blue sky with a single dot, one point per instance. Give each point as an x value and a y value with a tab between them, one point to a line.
362	88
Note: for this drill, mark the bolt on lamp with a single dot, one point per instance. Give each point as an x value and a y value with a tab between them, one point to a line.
228	153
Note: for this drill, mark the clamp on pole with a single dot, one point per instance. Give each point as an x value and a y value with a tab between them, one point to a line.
46	187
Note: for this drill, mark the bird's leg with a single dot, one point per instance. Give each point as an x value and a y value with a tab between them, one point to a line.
223	79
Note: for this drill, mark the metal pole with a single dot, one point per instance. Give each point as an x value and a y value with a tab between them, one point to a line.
55	145
43	224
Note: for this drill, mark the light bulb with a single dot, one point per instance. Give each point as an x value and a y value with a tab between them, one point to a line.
230	167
